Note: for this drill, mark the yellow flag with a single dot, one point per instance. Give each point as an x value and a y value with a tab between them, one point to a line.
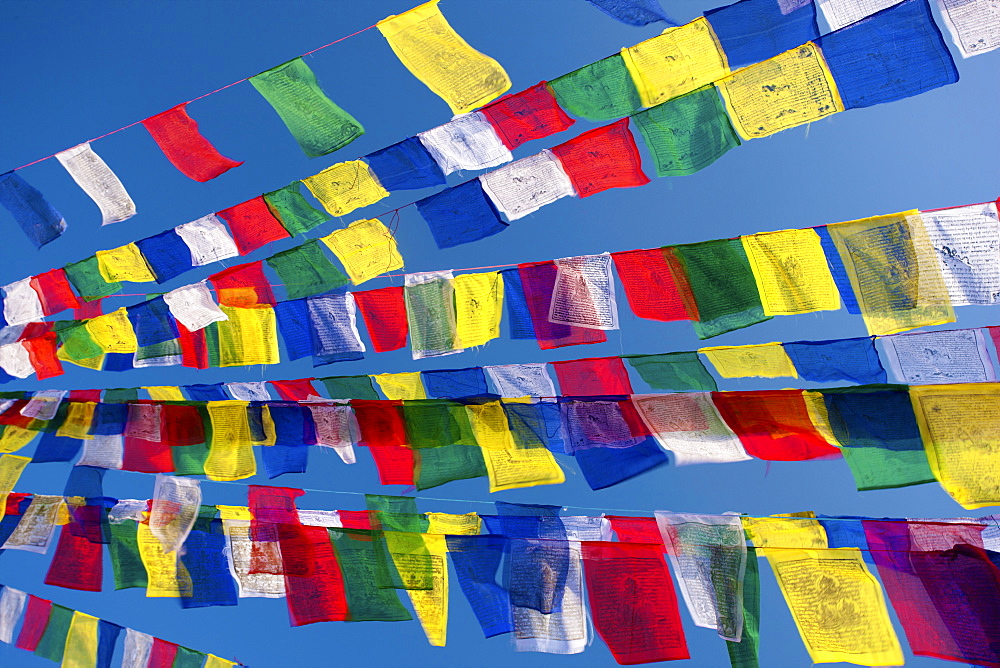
234	513
509	465
14	438
213	661
397	386
820	416
267	426
366	248
431	605
125	263
113	332
791	272
249	336
960	428
894	271
11	467
230	456
792	530
468	524
93	363
676	62
166	575
437	55
165	393
77	422
478	308
793	88
346	186
763	360
838	606
81	642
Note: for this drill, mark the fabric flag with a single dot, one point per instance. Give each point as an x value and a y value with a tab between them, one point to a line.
34	531
81	642
305	270
950	356
78	560
592	377
798	89
166	255
753	31
208	240
294	390
722	284
231	454
405	165
610	442
243	286
791	272
478	308
14	360
708	555
600	91
54	292
687	133
345	186
356	556
36	617
113	332
690	427
21	304
649	285
538	281
431	605
430	312
100	183
763	360
39	221
521	380
177	135
125	263
890	56
531	114
138	647
632	602
451	383
336	429
773	425
634	13
679	372
396	386
973	25
462	213
11	605
841	13
366	248
384	312
583	294
162	653
476	560
85	277
193	307
334	329
292	210
248	336
53	641
175	506
424	42
966	240
508	465
562	632
854	360
152	322
893	272
675	62
468	141
252	225
602	158
527	185
294	327
317	123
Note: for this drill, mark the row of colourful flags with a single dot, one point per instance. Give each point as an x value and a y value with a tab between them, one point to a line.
890	435
528	571
75	639
693	67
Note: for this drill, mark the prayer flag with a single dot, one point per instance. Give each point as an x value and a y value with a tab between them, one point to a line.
53	641
633	12
78	561
366	248
530	114
81	642
538	281
384	311
152	322
690	427
248	336
763	360
292	210
584	294
602	158
345	186
461	214
478	308
243	286
679	372
113	332
405	165
591	377
451	383
231	455
649	285
854	360
21	304
467	142
840	13
521	380
972	25
752	31
11	605
55	293
966	240
36	617
252	225
430	311
193	307
208	240
166	255
100	183
950	356
600	91
305	270
178	137
526	185
773	425
401	385
39	221
477	562
85	277
791	272
333	328
125	263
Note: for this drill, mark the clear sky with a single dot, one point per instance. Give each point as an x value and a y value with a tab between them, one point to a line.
75	70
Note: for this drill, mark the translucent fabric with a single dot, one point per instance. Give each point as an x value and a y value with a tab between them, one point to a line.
890	56
530	114
521	380
600	423
679	372
384	312
401	385
38	220
252	225
430	48
319	596
405	165
152	322
81	642
763	360
966	240
723	286
193	307
208	240
594	376
178	137
773	424
21	304
78	560
451	383
138	647
243	286
11	605
100	183
519	324
854	360
467	142
630	529
293	211
563	632
634	13
756	30
52	644
295	390
478	308
438	465
166	255
345	186
675	62
356	556
690	427
600	91
231	455
461	214
649	285
305	270
791	89
34	531
951	356
508	465
35	619
175	506
248	336
583	294
538	281
366	248
254	391
430	311
791	272
841	13
334	329
103	451
86	279
527	185
894	272
476	560
162	654
317	123
54	292
973	25
113	332
336	429
602	158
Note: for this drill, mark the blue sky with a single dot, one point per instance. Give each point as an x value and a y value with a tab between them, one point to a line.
77	70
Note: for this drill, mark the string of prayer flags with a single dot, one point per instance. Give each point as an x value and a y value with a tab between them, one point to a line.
600	91
854	360
253	225
751	32
405	165
966	240
100	183
435	54
317	123
773	425
384	312
893	272
972	25
889	56
345	186
38	220
687	133
305	270
602	158
293	211
530	114
478	308
366	248
649	285
177	135
633	12
951	356
208	240
675	62
430	313
791	272
461	214
841	13
689	426
467	141
763	360
538	281
797	87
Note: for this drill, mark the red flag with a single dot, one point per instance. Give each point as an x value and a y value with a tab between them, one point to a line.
636	529
773	425
531	114
295	390
78	562
177	135
36	618
319	597
591	377
243	286
602	158
649	285
162	654
253	225
194	347
384	312
42	355
54	291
